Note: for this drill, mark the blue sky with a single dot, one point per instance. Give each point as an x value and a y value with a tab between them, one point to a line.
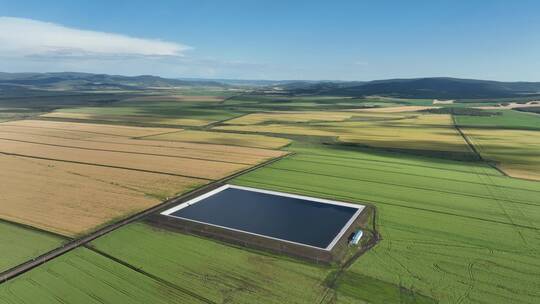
337	40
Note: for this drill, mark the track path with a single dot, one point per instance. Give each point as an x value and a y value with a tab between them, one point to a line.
75	243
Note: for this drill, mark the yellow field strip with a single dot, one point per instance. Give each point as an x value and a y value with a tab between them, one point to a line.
517	152
143	150
244	140
71	198
93	129
187	167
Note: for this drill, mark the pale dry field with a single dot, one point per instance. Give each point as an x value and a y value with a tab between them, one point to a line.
123	118
304	116
71	178
162	164
270	118
517	152
72	199
279	129
433	132
245	140
86	129
147	147
420	132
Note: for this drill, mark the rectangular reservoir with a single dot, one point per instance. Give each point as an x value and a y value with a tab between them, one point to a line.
296	219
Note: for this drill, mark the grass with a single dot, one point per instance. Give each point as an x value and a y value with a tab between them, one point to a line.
19	244
221	273
354	287
450	233
83	276
507	119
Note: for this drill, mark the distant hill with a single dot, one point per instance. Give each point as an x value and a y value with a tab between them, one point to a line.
440	88
86	81
445	88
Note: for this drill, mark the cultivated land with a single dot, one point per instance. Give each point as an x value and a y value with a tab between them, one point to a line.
452	231
516	152
153	112
19	244
84	276
235	139
416	131
503	119
46	164
220	273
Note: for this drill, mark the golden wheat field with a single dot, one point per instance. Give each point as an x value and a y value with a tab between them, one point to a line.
140	147
207	169
245	140
85	129
71	199
71	178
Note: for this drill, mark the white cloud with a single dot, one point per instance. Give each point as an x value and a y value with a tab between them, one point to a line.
21	37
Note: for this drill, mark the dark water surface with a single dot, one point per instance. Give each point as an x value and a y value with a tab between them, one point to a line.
297	220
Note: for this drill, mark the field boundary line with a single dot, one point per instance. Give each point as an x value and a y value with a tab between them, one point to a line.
221	122
156	145
76	243
332	284
35	229
157	134
102	165
147	274
473	148
60	129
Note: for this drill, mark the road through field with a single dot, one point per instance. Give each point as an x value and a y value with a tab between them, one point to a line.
69	246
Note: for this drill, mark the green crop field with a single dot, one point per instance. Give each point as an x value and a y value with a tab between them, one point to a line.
19	244
506	119
221	273
451	232
83	276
